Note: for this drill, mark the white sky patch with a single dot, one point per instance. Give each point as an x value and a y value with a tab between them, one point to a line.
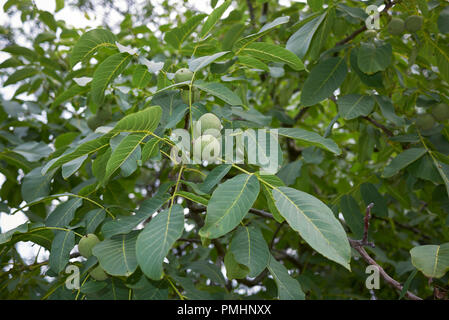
9	222
126	49
82	81
153	67
188	226
123	89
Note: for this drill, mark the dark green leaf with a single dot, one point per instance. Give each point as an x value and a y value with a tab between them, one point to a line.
323	80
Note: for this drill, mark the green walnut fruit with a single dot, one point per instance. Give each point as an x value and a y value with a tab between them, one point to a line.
86	244
413	23
441	112
93	122
425	121
98	273
369	34
185	95
396	26
104	114
208	123
209	147
183	75
178	155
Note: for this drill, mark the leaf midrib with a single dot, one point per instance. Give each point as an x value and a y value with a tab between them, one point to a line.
436	260
290	63
349	112
302	212
235	201
108	78
329	76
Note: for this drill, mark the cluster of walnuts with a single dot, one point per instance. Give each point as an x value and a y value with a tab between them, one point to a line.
439	112
85	247
103	116
411	24
398	26
206	130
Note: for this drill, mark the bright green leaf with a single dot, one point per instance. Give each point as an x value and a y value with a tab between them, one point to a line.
90	42
274	53
117	255
432	260
229	203
403	160
315	223
156	240
323	80
110	68
288	288
250	249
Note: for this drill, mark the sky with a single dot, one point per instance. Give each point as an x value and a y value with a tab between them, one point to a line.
76	19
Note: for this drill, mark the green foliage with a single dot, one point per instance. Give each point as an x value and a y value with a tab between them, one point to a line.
432	260
229	203
89	121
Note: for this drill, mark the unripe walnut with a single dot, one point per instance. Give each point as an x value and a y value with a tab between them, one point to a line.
396	26
93	122
183	75
98	273
104	114
86	244
179	155
208	123
208	146
425	121
441	112
413	23
369	34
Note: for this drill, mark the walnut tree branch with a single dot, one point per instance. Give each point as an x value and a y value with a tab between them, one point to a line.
380	126
382	272
358	245
388	5
251	12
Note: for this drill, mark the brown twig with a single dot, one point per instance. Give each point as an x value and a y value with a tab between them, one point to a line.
351	36
256	281
355	244
261	213
301	113
374	122
358	245
265	9
363	28
283	255
275	234
380	126
197	208
38	265
366	222
251	12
